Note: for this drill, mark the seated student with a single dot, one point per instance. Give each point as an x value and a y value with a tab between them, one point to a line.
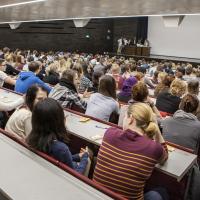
125	74
164	85
52	75
115	73
6	51
125	93
42	67
193	88
168	101
51	136
139	94
184	128
155	77
95	81
103	103
127	157
180	72
4	78
188	74
85	82
9	69
65	91
19	123
18	62
145	78
27	79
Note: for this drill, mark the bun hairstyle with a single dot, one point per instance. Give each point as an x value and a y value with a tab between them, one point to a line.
143	115
189	103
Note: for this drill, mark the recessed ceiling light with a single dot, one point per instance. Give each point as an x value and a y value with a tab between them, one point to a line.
21	3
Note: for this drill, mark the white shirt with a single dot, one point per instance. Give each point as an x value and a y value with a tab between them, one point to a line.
101	107
3	76
120	42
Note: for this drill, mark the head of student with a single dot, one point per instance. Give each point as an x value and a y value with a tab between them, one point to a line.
178	87
188	70
193	87
161	76
34	67
140	92
71	77
48	124
115	69
34	94
79	69
96	76
189	103
139	118
127	86
107	86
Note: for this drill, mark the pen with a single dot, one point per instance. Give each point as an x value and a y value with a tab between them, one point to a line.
100	127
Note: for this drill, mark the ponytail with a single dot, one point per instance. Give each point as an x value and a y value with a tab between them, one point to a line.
143	116
151	129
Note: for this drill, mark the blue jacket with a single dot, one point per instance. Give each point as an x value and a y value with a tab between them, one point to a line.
61	152
27	79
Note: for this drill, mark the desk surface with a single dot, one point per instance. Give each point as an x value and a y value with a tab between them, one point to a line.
26	176
7	96
177	165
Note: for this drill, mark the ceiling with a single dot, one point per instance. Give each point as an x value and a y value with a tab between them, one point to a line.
70	9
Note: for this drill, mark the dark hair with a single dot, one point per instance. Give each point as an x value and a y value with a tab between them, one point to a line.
31	95
85	68
140	92
168	80
107	86
188	70
33	66
69	75
155	75
48	124
125	68
193	87
96	76
181	69
189	103
6	50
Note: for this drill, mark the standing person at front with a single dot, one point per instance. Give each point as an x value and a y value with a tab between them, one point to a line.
127	157
120	45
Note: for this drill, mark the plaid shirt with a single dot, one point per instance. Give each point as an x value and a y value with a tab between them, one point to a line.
66	97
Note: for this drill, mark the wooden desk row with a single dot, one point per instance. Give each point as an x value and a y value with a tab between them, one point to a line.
25	175
92	131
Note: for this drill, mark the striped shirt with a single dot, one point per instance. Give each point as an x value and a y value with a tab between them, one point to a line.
125	161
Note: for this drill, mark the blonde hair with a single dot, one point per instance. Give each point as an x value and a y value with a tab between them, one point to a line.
143	115
178	87
52	67
162	76
115	69
63	65
139	76
9	58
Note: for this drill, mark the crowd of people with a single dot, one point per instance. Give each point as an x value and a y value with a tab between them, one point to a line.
114	89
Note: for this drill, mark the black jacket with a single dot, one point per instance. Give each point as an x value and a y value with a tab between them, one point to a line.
52	78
